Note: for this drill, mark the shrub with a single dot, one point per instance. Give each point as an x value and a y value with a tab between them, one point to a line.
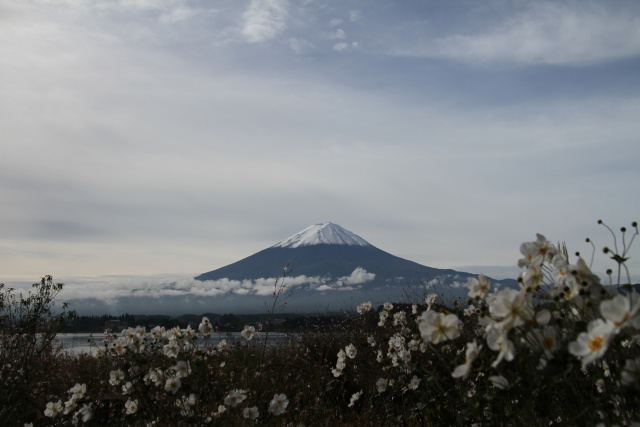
28	327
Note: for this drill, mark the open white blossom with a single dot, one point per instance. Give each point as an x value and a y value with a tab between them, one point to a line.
248	332
593	343
437	327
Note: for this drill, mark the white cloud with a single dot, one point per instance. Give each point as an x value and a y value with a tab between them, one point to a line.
339	47
299	45
176	15
355	15
338	34
111	288
264	20
357	277
546	33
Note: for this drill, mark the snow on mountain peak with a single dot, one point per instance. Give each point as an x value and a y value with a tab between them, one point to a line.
322	234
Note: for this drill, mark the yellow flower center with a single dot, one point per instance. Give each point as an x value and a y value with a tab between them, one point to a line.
595	344
547	343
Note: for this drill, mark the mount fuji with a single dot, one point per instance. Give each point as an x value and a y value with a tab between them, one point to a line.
327	264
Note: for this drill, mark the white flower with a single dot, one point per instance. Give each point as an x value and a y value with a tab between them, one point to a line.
462	371
171	349
172	384
205	327
479	287
221	410
118	346
235	397
470	311
399	318
592	344
631	372
430	299
278	404
354	398
414	383
248	332
251	413
158	333
126	388
383	317
387	306
222	345
115	377
510	307
350	351
69	405
53	409
78	390
438	327
182	368
499	381
546	338
498	341
87	412
536	253
382	384
622	310
131	406
371	340
364	307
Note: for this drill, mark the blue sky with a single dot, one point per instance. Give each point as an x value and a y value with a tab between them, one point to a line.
146	137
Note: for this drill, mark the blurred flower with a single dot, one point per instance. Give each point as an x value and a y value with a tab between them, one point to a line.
131	406
462	371
622	310
87	412
354	398
235	397
182	368
172	385
126	388
350	351
53	409
631	373
592	344
278	404
78	390
499	381
546	338
479	287
510	307
381	385
115	377
251	413
438	327
497	340
248	332
364	307
205	327
414	383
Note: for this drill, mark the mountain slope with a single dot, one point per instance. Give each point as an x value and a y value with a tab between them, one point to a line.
328	250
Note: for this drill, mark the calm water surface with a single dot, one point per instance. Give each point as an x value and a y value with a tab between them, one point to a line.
82	342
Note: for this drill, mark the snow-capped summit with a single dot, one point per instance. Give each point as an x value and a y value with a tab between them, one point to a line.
323	234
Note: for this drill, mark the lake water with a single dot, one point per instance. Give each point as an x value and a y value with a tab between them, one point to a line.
81	342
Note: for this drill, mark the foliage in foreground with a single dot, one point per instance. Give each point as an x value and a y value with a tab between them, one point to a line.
561	349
